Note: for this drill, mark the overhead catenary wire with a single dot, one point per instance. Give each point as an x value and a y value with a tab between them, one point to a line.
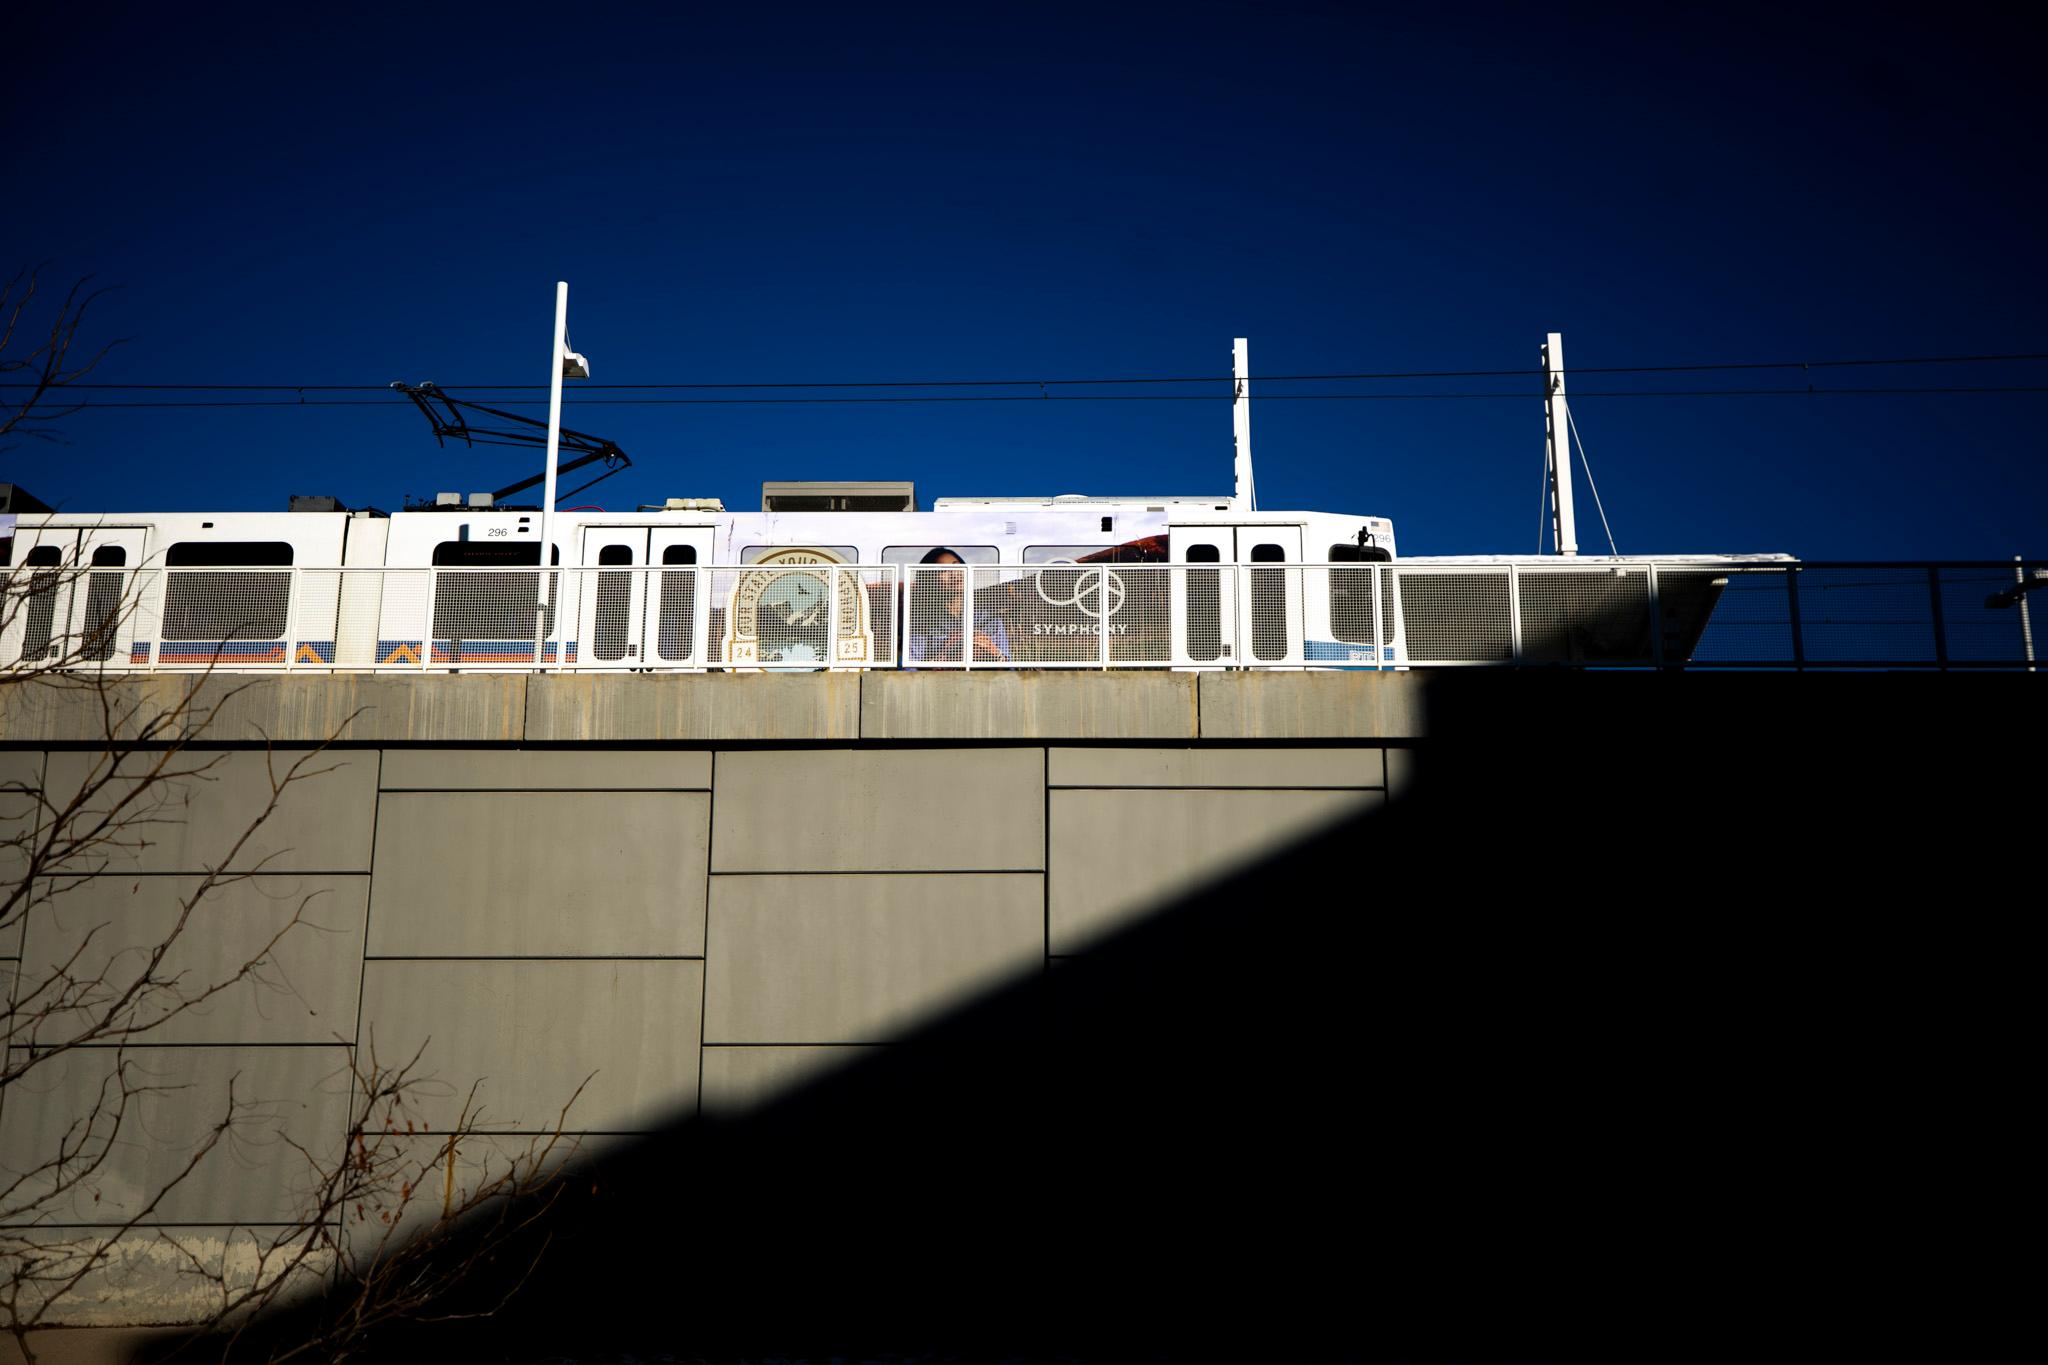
94	405
1331	377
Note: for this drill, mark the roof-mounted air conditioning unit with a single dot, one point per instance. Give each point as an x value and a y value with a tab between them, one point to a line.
808	496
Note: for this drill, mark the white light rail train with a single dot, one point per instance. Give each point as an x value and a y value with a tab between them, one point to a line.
823	576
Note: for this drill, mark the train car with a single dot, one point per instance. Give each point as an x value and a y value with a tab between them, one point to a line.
687	586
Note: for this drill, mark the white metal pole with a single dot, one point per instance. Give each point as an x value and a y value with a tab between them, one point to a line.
2019	577
1244	498
1557	450
832	587
547	501
966	615
1102	605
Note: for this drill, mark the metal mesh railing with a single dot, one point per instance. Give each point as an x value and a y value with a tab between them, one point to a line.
809	615
1457	614
1733	614
1715	615
1575	617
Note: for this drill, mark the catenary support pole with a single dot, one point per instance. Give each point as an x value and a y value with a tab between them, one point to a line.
1557	450
542	625
1244	498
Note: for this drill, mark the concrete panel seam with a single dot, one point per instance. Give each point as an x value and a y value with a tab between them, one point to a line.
362	967
189	873
710	861
137	1045
897	1044
178	1223
1218	787
533	957
826	1044
552	791
885	872
1045	858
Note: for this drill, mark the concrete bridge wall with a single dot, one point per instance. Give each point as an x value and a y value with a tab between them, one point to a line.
688	892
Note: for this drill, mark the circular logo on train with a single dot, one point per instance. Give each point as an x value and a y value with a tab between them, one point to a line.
781	611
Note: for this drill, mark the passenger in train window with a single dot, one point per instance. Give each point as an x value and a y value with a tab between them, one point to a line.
933	631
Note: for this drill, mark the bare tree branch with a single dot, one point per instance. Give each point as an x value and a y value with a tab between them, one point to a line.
31	402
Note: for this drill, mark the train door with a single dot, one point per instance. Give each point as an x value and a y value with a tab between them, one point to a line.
38	593
630	615
1269	598
678	596
107	607
74	595
1204	600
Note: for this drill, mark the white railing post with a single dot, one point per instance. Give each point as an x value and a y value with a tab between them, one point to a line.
427	625
1514	615
892	583
291	598
642	600
2019	578
1227	582
1102	604
1656	610
703	581
966	572
1379	630
833	587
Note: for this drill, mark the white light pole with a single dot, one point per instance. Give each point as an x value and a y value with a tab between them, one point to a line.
563	363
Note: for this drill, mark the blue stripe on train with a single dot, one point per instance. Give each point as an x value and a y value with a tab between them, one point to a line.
240	651
206	651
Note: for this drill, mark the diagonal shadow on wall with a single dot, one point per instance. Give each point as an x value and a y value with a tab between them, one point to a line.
1605	1040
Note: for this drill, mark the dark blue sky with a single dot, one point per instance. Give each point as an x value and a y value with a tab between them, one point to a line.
876	193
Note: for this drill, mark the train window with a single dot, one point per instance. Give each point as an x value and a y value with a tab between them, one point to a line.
1150	550
231	606
240	554
678	604
494	610
1269	604
41	609
491	554
1351	553
1351	593
1205	605
914	554
610	625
